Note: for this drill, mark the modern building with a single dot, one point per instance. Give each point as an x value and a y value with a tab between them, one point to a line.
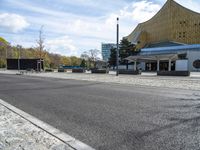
168	41
105	49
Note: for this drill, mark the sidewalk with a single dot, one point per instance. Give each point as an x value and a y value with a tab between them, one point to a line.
147	79
21	131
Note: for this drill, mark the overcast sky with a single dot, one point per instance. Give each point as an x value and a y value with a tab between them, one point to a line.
74	26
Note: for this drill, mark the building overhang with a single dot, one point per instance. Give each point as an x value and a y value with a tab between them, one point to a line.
144	58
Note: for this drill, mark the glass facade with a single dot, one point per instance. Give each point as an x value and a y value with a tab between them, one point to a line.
105	49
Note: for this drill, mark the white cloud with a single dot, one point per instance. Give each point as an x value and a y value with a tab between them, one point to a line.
142	10
90	32
191	4
103	28
131	15
137	12
85	31
61	45
13	22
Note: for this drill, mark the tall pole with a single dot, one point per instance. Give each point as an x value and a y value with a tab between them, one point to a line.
18	62
117	53
40	48
18	59
19	56
6	57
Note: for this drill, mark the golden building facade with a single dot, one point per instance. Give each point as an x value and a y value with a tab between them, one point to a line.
173	23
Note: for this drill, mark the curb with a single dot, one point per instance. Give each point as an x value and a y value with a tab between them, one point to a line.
67	139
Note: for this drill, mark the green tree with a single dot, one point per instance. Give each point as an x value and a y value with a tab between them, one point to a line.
50	59
66	61
3	41
85	56
83	63
4	46
75	61
55	60
112	59
126	49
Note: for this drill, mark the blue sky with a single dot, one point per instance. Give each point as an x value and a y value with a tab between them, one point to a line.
74	26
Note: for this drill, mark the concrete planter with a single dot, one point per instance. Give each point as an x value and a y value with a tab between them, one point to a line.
49	70
103	71
61	70
132	72
78	70
173	73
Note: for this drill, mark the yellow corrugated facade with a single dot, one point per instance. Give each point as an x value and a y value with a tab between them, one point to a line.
172	23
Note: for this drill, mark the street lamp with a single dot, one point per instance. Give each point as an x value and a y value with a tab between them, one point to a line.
19	56
117	53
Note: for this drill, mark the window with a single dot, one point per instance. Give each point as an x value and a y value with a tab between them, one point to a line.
184	34
182	56
180	34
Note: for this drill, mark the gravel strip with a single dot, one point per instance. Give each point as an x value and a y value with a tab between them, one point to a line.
192	83
136	80
19	134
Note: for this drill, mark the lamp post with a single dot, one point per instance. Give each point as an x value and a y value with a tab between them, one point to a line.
19	56
117	53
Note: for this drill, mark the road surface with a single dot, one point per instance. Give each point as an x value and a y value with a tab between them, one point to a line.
110	116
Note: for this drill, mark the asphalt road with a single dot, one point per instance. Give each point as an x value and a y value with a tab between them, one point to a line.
110	116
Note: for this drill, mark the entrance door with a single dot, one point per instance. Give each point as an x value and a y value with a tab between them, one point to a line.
151	66
164	66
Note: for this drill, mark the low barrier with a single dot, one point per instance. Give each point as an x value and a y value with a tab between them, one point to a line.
132	72
78	70
173	73
49	70
62	70
103	71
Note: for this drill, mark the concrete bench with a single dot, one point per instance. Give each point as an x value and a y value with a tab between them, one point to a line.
173	73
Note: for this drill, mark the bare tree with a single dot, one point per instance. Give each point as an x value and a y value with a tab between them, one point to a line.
91	56
40	45
85	55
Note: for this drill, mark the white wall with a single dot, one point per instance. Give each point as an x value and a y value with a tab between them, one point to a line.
181	65
130	67
192	56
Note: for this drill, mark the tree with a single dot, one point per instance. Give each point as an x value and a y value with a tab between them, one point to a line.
75	61
91	56
55	60
40	45
3	41
126	49
40	42
66	61
83	63
85	56
112	59
50	59
4	46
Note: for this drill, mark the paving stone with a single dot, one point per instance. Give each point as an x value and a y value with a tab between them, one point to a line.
136	80
19	134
